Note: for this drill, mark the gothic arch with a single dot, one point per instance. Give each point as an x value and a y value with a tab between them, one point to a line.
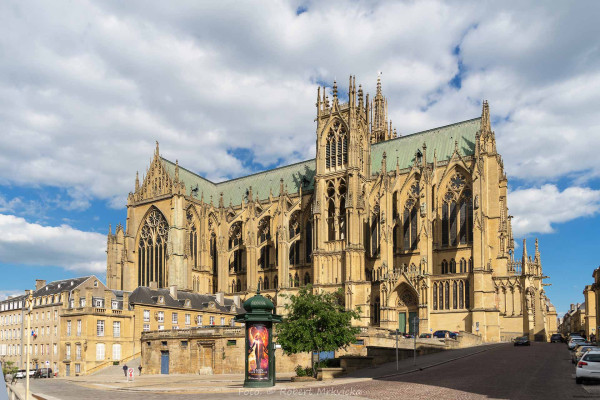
152	245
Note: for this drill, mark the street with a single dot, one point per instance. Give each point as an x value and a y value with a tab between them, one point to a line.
541	371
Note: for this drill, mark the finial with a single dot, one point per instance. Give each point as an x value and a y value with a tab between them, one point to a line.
137	181
379	82
485	117
334	90
157	151
280	186
110	229
250	193
221	200
176	171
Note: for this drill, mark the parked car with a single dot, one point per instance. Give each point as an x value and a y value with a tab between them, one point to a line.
574	341
43	373
580	351
31	373
556	338
21	374
588	367
425	336
444	333
522	341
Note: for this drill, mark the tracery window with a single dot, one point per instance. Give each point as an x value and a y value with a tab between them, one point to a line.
152	250
192	239
306	278
264	260
236	259
275	282
452	266
435	296
308	241
409	218
457	213
461	295
294	255
445	267
330	211
336	148
266	283
264	230
454	295
294	225
375	232
463	266
342	209
447	296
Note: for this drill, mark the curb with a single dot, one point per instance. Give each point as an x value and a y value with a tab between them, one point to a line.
438	363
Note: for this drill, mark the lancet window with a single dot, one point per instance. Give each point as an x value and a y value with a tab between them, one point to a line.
336	209
152	250
192	239
374	231
237	256
457	213
409	219
336	148
308	241
306	278
264	235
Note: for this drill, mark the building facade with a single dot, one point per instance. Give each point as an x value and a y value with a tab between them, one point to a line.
12	312
409	227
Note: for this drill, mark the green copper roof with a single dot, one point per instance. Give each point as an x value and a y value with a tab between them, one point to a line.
294	176
441	140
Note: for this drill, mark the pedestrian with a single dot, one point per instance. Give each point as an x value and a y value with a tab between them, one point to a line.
125	370
593	338
140	369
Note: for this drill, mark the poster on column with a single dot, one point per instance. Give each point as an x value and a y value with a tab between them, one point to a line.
258	352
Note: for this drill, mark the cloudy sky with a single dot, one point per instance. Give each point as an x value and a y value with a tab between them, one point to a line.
228	88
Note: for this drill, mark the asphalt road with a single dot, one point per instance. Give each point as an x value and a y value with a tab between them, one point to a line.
541	371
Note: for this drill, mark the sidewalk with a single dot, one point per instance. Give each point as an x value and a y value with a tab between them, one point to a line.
191	383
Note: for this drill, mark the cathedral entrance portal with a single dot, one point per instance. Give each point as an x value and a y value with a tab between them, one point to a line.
406	304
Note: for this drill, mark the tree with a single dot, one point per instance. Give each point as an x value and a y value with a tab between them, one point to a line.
316	322
9	368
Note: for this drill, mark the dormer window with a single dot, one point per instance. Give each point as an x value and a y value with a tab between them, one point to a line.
161	300
95	283
188	303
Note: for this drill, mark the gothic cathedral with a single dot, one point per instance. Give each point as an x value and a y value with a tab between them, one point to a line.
414	229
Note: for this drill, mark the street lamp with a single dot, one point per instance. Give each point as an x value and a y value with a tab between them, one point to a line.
29	304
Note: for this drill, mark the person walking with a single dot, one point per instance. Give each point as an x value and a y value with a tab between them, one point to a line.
125	370
140	369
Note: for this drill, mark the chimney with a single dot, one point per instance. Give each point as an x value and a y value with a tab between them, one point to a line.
125	301
220	297
236	300
153	285
173	291
40	283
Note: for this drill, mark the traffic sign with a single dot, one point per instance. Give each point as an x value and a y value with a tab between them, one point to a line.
130	373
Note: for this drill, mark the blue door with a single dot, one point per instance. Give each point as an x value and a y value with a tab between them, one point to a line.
164	362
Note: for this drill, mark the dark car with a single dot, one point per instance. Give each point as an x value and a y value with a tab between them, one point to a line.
425	336
522	341
556	338
441	334
43	373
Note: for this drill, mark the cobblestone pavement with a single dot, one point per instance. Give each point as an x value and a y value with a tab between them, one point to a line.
541	371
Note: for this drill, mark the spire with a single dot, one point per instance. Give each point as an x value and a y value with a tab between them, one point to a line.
137	181
384	163
524	255
378	84
378	125
221	200
485	118
250	194
109	229
156	152
537	251
361	103
334	91
176	171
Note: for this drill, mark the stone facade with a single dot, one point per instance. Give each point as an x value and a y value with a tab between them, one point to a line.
218	350
409	226
12	325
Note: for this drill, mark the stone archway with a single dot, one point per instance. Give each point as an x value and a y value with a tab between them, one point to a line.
404	301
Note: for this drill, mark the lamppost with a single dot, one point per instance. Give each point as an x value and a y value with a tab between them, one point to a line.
28	348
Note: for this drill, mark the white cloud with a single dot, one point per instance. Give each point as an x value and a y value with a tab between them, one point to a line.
27	243
5	294
538	209
86	88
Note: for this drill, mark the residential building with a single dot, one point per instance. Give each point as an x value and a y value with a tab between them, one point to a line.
12	328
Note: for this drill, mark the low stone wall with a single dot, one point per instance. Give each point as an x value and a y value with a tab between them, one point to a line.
215	350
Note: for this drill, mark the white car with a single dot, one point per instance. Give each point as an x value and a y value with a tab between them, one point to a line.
20	374
574	342
588	367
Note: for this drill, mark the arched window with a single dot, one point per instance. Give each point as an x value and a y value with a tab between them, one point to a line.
396	237
266	283
445	224
457	213
453	212
152	250
454	295
239	285
296	280
336	148
275	282
330	212
375	232
308	241
294	225
445	267
265	255
467	294
463	265
306	278
447	296
194	246
471	264
435	296
452	266
295	253
342	210
376	309
264	230
235	235
441	296
233	286
260	284
461	295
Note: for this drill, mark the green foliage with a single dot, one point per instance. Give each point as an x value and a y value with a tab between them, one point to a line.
316	322
9	368
300	370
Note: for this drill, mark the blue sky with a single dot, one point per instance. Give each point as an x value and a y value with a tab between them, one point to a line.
87	88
